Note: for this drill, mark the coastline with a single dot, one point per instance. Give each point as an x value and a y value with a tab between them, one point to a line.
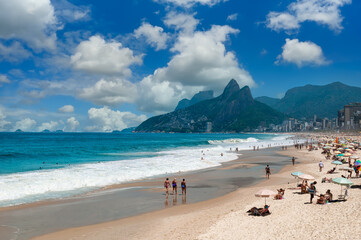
202	185
225	217
127	227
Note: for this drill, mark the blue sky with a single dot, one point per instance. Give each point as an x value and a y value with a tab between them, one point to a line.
79	65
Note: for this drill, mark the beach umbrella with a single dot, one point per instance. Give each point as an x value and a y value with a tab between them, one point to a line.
340	149
347	155
337	152
265	193
342	181
306	177
340	155
346	169
355	157
337	162
326	147
296	174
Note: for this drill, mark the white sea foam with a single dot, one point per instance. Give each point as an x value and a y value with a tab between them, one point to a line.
44	184
233	140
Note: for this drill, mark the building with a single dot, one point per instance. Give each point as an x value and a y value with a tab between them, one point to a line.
350	116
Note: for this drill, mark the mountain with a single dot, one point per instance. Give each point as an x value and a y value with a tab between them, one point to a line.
272	102
234	110
307	101
201	96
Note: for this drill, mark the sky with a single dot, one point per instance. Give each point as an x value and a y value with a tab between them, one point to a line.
98	66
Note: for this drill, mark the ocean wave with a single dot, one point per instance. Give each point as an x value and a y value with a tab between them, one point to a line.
234	140
46	184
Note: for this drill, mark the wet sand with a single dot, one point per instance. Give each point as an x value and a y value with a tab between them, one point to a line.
132	199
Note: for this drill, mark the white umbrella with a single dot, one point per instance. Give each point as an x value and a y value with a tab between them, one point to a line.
306	177
346	168
265	193
355	157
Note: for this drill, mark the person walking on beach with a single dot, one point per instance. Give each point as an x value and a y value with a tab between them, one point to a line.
320	164
268	171
166	185
174	185
293	161
184	187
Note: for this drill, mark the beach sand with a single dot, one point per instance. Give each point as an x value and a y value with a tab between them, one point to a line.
226	218
131	199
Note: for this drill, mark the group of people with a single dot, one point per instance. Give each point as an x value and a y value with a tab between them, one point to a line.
323	198
175	186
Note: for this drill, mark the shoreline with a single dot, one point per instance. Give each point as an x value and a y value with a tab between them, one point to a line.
221	184
129	225
225	217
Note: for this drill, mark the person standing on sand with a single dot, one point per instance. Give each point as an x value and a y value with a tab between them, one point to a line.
166	185
312	191
184	187
320	164
268	171
174	185
293	161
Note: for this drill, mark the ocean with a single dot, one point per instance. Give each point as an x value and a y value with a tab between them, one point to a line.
41	166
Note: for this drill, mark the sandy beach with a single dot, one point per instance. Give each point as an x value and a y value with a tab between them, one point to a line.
226	218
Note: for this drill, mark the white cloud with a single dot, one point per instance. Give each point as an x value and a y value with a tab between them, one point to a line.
66	109
3	79
201	61
282	21
69	12
232	17
71	124
13	53
98	56
51	126
26	124
3	122
324	12
180	21
301	53
106	120
111	92
29	20
154	35
190	3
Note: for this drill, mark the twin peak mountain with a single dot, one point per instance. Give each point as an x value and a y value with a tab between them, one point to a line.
234	110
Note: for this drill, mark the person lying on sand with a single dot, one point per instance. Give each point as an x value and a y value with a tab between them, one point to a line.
325	179
259	211
331	171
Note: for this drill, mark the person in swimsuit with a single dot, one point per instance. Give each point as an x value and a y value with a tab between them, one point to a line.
174	185
268	171
293	161
312	191
184	187
166	185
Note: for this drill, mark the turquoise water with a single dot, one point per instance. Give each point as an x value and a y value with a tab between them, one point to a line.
37	166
